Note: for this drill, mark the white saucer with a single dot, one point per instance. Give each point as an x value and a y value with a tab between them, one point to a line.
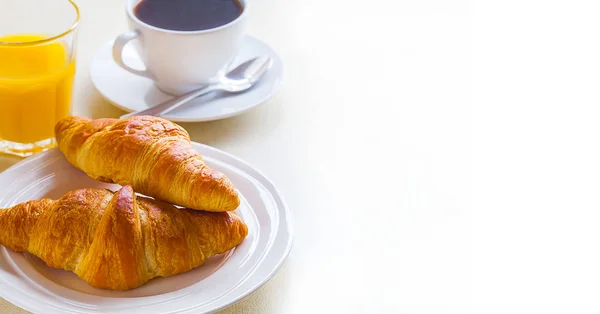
29	283
132	93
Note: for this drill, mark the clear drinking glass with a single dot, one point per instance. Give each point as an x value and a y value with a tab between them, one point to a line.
37	67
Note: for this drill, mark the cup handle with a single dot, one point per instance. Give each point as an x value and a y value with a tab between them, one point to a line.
117	52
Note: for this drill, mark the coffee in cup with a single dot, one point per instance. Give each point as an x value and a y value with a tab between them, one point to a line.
188	15
184	44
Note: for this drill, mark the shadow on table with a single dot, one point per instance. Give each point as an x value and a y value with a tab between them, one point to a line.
263	119
7	161
101	108
268	298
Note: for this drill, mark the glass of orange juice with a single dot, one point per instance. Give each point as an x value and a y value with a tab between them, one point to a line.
37	66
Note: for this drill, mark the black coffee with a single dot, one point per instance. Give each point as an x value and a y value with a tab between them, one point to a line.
187	15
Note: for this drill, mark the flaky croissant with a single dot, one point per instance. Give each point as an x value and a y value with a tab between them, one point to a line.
118	240
151	154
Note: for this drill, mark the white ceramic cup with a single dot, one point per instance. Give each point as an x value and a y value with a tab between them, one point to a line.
181	61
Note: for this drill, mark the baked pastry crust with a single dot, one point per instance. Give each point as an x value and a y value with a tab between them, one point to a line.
153	155
118	240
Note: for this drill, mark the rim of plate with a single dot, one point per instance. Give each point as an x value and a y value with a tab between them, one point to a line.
237	164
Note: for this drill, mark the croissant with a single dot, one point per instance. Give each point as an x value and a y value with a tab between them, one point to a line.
118	240
151	154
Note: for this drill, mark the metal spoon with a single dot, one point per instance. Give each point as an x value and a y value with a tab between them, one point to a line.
237	80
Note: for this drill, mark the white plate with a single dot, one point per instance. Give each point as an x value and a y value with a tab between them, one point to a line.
132	93
27	282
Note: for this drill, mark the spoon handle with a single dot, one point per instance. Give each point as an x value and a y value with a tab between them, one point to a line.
171	104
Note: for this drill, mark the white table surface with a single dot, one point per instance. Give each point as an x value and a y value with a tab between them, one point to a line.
439	156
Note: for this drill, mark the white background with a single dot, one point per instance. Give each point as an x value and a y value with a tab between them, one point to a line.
536	158
439	156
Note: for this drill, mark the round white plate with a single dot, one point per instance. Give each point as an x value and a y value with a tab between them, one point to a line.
29	283
132	93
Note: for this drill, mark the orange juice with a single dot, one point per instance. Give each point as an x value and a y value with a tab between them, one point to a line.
36	83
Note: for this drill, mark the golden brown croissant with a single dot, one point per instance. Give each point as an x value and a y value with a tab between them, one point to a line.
151	154
117	240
